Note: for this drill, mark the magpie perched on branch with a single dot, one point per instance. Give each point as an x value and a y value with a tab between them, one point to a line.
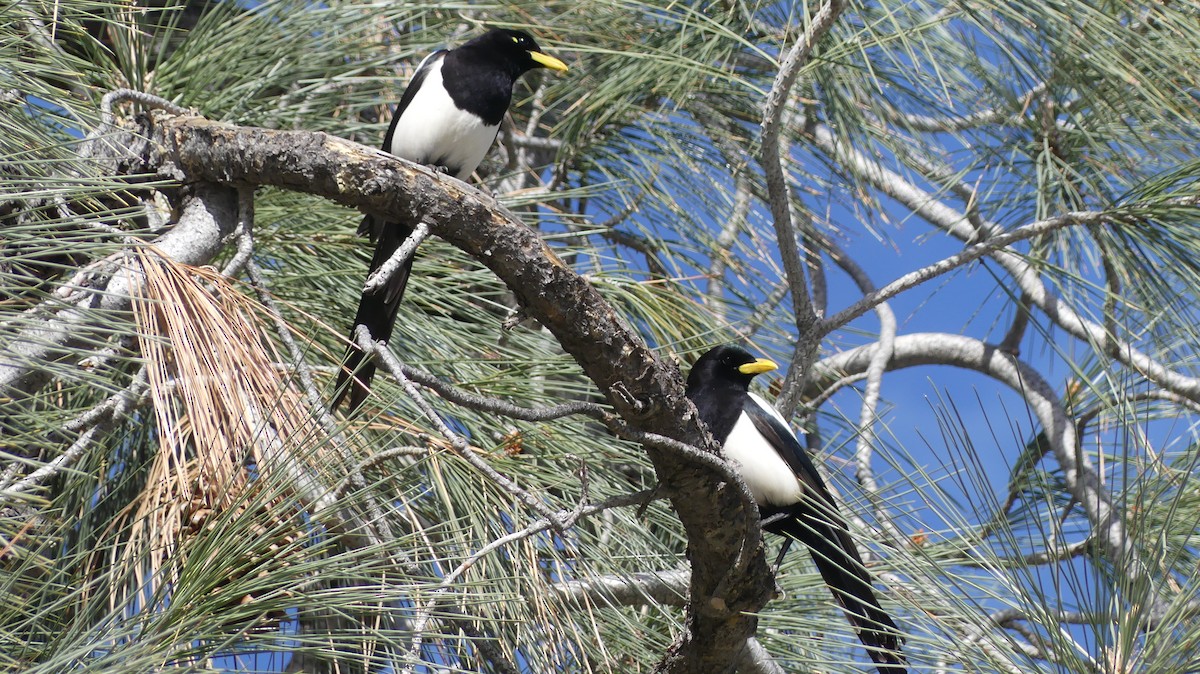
792	499
448	118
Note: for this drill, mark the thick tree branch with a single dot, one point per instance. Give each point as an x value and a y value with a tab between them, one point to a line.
645	391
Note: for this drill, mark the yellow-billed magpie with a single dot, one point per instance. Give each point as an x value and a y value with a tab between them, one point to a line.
448	118
792	498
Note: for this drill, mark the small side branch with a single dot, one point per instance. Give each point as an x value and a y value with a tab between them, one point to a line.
379	278
89	424
975	252
389	362
481	403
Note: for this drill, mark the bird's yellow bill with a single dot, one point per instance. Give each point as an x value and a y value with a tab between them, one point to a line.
758	367
547	61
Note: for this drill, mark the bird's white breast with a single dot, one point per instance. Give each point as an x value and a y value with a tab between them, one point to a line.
769	477
432	130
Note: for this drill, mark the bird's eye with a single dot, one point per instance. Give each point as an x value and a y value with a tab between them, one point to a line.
516	39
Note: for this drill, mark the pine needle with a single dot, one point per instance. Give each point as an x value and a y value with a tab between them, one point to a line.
223	411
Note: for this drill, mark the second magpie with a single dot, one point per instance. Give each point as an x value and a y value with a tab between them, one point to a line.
791	496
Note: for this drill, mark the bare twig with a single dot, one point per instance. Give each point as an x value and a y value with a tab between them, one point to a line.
108	118
930	124
810	238
779	196
828	391
1011	343
620	429
91	423
490	405
559	521
992	245
404	253
376	525
765	311
1086	417
259	282
1058	554
244	233
150	101
945	176
724	246
1013	618
535	142
385	358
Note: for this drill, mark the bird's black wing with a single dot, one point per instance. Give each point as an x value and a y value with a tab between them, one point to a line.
772	427
816	522
377	311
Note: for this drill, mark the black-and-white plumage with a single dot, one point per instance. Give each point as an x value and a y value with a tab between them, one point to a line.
448	117
791	496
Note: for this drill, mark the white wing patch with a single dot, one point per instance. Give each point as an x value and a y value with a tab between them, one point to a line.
432	130
769	477
762	402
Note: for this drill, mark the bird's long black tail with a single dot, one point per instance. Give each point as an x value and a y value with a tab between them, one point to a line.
376	311
843	571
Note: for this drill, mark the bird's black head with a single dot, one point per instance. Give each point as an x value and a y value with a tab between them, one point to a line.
513	49
725	365
719	384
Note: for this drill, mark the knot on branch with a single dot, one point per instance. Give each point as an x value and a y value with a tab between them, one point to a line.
625	400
